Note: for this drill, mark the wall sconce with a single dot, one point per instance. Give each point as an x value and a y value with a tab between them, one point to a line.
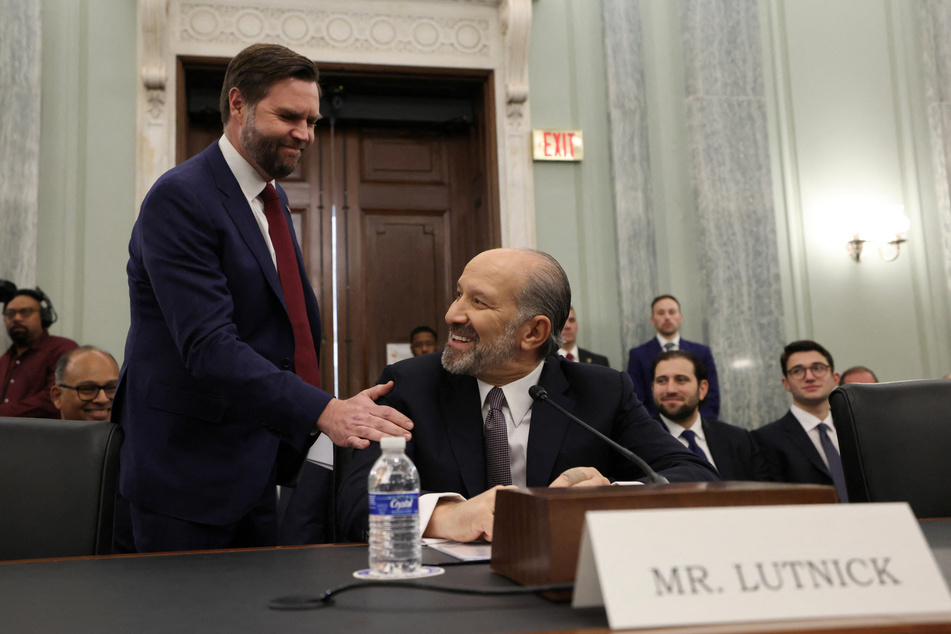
885	226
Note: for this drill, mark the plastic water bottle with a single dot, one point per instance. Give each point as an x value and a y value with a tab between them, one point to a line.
395	545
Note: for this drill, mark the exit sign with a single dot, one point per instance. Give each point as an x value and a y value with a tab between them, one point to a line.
557	145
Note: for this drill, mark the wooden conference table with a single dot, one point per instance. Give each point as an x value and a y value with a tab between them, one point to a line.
229	591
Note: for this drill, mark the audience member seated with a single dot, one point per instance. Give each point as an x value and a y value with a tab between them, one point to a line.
86	381
858	374
27	367
504	330
666	319
423	340
680	385
570	349
802	446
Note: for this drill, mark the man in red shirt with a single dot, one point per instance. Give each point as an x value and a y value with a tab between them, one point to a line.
27	367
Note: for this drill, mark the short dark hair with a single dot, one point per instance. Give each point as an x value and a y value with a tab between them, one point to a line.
803	345
258	67
699	370
419	329
29	292
546	292
855	369
59	373
660	297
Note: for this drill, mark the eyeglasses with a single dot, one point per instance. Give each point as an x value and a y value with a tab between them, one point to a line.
90	392
818	370
25	313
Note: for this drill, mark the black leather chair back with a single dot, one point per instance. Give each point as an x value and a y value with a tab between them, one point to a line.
58	483
895	440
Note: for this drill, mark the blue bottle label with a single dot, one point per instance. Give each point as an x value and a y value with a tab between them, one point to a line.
394	503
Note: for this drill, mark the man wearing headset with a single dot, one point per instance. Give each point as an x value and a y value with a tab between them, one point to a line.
28	365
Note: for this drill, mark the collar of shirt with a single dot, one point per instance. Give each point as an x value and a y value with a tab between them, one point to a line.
810	422
516	394
251	185
676	341
33	347
248	178
810	425
676	429
573	351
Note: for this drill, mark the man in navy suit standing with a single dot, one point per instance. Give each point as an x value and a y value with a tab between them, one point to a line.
803	446
666	319
680	386
476	426
219	395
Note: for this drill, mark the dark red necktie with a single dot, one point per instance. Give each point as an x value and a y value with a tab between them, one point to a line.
305	354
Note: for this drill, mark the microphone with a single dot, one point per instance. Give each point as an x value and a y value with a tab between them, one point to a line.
538	393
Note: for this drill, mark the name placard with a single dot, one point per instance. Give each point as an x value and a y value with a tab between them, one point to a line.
653	568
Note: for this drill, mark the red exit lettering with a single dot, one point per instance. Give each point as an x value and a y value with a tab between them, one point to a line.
559	144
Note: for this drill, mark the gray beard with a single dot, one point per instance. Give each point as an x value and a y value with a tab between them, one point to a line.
482	357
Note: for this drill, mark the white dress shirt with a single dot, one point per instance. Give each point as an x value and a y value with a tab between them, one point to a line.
517	410
576	356
676	430
663	341
810	424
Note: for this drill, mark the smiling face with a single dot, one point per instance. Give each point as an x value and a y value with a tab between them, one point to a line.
677	394
86	368
273	133
809	391
488	339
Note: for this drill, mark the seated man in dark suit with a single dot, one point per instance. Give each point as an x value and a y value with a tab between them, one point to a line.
680	385
802	446
570	350
666	319
504	330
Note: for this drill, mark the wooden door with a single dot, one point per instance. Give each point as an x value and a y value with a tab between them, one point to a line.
387	217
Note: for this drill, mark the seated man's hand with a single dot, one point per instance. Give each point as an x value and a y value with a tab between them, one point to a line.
580	477
356	421
464	521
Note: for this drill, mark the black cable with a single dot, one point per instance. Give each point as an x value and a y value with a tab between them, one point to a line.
304	602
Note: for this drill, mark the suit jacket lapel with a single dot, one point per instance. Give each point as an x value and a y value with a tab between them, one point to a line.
461	409
801	439
719	449
238	209
548	426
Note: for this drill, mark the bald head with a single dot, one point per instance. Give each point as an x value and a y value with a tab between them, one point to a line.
86	380
509	309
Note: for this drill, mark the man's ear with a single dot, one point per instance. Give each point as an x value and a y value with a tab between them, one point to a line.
535	332
239	107
56	395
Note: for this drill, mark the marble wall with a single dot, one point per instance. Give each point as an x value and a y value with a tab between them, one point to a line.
934	17
630	167
19	140
729	146
732	207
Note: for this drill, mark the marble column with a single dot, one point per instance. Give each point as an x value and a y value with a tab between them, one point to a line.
630	165
934	20
729	147
20	30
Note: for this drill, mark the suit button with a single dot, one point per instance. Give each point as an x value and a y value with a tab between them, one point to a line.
286	364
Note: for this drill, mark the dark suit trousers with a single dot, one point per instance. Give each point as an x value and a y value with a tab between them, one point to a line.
155	533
